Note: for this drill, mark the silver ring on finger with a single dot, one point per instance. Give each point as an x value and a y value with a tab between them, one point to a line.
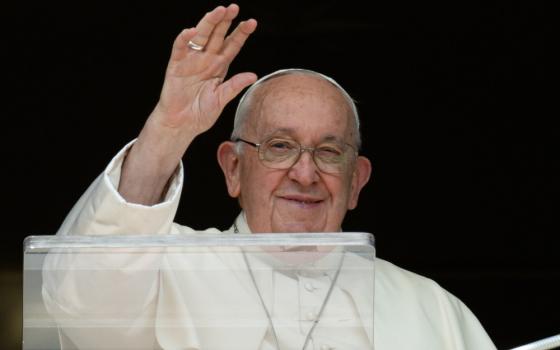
195	46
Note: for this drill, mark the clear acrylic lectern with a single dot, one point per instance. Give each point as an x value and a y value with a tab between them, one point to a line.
199	291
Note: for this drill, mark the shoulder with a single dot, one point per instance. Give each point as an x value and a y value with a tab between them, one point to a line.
391	276
421	308
396	284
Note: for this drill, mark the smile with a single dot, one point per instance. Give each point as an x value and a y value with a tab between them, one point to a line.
302	202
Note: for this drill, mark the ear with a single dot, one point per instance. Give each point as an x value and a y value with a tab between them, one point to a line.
359	180
229	162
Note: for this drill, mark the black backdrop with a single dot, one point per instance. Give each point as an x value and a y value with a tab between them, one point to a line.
463	155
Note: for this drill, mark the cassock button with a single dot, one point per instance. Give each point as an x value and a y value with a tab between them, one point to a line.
309	287
310	316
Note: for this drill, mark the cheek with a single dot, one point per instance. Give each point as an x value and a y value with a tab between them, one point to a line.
340	189
258	186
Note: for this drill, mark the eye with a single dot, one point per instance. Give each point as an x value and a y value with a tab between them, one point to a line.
330	153
280	147
330	150
278	144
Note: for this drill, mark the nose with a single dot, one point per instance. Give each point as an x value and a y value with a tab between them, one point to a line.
304	171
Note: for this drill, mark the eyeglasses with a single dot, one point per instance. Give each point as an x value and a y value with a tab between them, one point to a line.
331	157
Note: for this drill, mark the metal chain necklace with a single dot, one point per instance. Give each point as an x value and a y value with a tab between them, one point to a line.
270	323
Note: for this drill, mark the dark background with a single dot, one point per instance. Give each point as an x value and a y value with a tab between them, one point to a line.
463	151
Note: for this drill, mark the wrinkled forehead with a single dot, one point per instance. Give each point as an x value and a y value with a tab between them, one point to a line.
299	102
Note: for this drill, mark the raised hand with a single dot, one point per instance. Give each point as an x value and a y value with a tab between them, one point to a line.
194	94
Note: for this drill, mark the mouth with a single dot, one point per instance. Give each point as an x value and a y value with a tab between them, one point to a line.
303	202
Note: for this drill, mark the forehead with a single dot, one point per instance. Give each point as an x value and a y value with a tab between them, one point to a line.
300	105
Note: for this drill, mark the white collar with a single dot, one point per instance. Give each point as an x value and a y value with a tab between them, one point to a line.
323	263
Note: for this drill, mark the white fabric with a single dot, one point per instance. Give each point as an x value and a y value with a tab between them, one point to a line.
411	312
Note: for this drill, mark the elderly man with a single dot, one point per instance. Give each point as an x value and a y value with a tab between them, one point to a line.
293	164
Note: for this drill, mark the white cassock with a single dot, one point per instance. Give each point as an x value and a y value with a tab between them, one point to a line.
163	307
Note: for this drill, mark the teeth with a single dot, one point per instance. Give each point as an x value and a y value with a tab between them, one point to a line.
307	202
304	201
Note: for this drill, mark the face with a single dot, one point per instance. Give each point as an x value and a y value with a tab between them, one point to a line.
310	111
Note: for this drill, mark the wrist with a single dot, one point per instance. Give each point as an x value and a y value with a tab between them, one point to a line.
151	162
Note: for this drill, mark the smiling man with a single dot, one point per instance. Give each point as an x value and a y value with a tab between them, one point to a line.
293	164
297	168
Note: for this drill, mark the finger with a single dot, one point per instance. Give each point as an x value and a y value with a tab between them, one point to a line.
234	85
180	47
219	33
217	68
206	26
237	38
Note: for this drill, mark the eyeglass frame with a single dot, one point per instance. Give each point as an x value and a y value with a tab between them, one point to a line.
302	149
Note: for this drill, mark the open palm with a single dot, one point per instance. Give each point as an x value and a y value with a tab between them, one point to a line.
195	90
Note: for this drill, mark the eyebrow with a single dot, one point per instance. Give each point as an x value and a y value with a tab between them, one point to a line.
283	130
332	138
280	132
289	132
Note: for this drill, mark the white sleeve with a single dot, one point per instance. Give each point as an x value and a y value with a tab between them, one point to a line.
102	210
100	299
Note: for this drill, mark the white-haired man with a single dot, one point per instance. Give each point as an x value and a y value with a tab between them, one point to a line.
294	166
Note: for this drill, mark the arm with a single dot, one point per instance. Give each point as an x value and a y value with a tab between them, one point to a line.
139	191
131	197
194	94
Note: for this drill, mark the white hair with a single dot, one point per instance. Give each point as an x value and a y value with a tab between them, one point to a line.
241	112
